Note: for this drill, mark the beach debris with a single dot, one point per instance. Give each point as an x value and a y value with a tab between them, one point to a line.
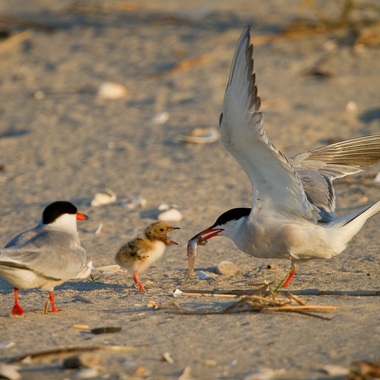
210	363
177	293
82	360
186	374
377	178
110	90
227	268
68	350
203	275
7	345
136	202
201	136
335	370
105	330
159	118
15	40
141	372
352	107
360	370
263	299
169	213
167	358
10	372
81	327
106	198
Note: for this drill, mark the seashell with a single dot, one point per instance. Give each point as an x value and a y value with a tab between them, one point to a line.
201	136
101	199
171	215
166	357
352	107
137	202
177	293
160	118
377	178
109	90
7	345
203	275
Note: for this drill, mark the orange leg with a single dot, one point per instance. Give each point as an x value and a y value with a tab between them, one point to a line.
51	297
139	284
291	274
17	309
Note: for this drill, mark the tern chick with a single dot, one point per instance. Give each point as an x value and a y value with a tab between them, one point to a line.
141	252
45	256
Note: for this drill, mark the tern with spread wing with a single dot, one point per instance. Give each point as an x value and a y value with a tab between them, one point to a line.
45	256
293	201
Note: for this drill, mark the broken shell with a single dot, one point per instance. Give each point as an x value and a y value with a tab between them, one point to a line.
166	357
137	202
203	275
201	136
159	118
109	90
171	215
103	198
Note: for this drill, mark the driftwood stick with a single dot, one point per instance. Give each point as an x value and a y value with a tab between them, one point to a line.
15	40
69	350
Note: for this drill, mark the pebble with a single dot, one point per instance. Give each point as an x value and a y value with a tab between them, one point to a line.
227	268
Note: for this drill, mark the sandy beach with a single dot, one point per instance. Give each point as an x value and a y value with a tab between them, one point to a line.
62	140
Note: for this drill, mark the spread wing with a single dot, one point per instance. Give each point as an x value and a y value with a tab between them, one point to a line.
318	168
276	185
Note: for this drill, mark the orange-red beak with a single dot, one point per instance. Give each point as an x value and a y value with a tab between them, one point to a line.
81	216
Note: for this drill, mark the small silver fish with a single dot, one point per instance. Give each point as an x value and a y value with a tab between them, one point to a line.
192	246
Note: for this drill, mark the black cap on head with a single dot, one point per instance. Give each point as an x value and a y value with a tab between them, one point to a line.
56	209
233	214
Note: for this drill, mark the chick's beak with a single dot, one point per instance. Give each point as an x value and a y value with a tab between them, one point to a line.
169	241
206	234
81	216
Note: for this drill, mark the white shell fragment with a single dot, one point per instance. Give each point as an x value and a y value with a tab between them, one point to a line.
201	136
136	202
377	178
171	215
203	275
7	345
159	118
177	293
166	357
335	370
109	90
101	199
